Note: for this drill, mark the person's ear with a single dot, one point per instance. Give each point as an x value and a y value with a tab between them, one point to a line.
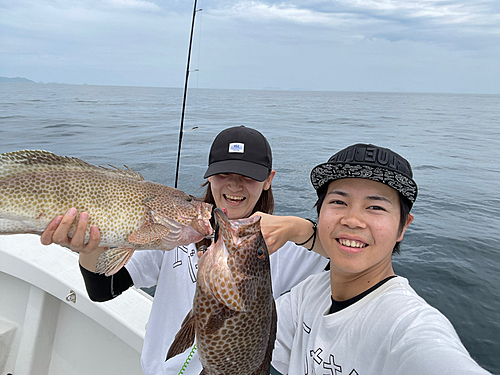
269	179
409	219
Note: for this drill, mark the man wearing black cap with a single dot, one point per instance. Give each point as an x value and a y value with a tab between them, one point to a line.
360	318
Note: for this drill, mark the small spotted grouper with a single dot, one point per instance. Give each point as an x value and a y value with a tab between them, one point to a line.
131	213
233	315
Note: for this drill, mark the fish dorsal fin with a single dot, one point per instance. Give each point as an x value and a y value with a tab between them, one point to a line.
184	338
124	173
16	162
112	260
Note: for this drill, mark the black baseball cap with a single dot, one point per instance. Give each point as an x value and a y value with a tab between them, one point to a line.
240	150
370	162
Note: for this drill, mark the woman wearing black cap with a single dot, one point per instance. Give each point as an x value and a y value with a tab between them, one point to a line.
239	179
360	318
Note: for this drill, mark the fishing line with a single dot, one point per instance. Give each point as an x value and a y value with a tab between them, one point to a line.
196	99
189	358
199	45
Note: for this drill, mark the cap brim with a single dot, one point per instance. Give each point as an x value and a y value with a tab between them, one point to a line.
248	169
328	172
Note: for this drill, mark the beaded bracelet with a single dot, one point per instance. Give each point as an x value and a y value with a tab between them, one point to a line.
315	226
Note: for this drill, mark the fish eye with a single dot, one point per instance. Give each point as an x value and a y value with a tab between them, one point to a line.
189	198
260	253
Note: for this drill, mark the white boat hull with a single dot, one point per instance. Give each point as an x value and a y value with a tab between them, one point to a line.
48	325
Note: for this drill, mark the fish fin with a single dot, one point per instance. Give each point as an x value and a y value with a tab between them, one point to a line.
39	160
124	173
265	367
149	233
112	260
184	339
204	372
178	233
217	319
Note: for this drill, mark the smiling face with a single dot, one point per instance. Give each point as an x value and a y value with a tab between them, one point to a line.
237	194
358	227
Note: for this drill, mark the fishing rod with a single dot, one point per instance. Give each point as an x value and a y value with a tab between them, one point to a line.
181	132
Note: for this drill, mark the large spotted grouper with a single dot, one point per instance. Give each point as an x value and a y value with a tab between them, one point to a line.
234	315
131	213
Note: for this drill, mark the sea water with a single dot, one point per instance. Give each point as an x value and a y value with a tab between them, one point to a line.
450	253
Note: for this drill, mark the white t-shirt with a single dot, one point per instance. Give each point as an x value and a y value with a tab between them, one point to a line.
174	273
390	331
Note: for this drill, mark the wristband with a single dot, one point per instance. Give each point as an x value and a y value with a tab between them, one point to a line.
315	226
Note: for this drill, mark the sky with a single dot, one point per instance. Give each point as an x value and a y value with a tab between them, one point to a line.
337	45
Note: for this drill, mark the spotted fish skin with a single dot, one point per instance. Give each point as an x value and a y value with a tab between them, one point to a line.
234	314
131	213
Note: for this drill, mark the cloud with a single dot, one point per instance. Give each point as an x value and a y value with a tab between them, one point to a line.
370	15
259	11
452	24
134	4
254	43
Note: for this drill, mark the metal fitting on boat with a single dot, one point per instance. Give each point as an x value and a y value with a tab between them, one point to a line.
71	297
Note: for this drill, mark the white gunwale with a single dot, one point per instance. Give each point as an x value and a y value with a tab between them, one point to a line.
39	327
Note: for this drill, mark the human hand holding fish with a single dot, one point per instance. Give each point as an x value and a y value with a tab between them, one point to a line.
58	232
277	230
130	212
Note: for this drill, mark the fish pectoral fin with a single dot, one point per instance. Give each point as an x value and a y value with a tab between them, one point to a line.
184	339
149	233
112	260
217	319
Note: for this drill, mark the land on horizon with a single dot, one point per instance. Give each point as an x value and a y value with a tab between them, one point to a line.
15	80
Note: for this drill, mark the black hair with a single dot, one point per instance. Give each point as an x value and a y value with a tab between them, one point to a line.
404	204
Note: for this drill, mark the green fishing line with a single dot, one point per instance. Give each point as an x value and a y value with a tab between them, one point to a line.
189	357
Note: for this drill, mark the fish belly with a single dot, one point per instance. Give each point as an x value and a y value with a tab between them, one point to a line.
240	345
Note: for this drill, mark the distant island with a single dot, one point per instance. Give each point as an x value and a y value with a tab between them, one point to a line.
15	80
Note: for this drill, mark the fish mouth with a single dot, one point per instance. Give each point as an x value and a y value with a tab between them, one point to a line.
231	230
201	223
233	227
207	228
217	275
